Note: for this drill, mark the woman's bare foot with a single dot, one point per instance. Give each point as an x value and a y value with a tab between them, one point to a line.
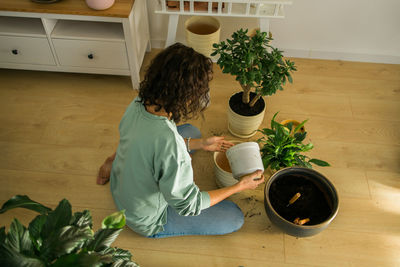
105	171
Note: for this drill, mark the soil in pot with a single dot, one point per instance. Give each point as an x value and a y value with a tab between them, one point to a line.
223	162
311	204
237	105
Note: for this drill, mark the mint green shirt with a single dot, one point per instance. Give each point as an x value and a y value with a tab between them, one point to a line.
152	170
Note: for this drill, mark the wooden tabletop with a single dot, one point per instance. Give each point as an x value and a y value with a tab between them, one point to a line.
121	8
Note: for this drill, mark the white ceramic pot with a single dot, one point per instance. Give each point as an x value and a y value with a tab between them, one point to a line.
244	158
99	4
244	126
201	33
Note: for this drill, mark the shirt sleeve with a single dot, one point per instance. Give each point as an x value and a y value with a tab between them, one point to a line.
178	188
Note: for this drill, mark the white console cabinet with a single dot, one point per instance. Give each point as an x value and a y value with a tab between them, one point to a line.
68	36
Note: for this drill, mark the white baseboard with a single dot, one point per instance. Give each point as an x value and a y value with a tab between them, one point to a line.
314	54
388	59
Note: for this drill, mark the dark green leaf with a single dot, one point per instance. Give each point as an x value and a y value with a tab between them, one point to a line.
123	263
117	254
57	219
290	126
290	78
299	161
115	220
267	131
78	260
308	165
3	234
35	228
103	239
12	258
273	120
319	162
299	137
298	127
121	254
24	202
82	219
64	241
18	238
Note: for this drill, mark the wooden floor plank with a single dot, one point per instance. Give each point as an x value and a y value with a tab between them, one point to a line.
384	186
51	158
341	248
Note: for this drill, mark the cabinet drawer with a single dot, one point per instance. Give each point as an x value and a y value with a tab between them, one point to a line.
95	54
28	50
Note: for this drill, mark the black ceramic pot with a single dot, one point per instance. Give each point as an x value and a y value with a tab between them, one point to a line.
280	214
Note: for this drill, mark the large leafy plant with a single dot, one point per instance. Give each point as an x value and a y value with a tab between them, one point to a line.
59	238
282	146
257	65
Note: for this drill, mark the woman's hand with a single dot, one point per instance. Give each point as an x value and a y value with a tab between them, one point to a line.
252	180
216	143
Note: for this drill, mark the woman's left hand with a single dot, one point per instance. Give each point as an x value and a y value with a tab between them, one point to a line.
216	143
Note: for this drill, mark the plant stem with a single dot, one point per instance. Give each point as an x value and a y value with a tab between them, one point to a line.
254	100
246	93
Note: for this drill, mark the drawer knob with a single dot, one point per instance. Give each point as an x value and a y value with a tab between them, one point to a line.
90	56
15	51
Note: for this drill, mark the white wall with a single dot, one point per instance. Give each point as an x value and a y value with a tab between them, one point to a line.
356	30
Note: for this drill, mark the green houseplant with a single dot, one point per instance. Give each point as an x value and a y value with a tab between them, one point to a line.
260	70
61	238
282	146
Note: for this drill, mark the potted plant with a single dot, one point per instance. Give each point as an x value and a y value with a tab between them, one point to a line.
59	238
260	70
300	201
282	146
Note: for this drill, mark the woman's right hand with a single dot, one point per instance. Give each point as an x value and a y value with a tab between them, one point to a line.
252	180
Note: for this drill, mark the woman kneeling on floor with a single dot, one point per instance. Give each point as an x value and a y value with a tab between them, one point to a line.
151	175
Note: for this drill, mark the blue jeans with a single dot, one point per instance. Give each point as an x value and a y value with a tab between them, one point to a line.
222	218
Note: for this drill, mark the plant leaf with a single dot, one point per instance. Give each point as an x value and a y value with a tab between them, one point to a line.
273	120
18	239
20	201
307	147
121	254
64	241
116	254
298	127
319	162
308	165
103	238
82	219
79	260
3	234
114	221
10	257
57	219
299	137
35	228
124	263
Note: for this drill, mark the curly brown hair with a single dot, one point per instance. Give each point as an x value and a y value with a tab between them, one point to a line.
177	80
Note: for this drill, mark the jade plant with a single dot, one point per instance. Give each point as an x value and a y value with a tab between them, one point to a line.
257	65
61	238
282	146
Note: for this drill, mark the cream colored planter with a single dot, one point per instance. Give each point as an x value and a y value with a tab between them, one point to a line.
201	33
244	126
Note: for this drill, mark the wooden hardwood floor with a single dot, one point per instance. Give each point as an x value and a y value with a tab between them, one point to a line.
56	129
